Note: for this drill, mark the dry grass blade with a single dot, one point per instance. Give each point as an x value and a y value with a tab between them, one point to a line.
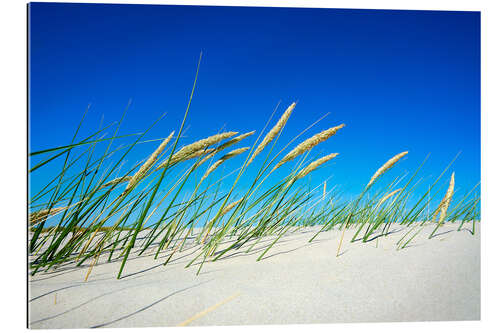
197	148
387	196
210	309
443	201
447	199
308	144
148	164
274	131
41	215
389	164
116	181
226	210
230	206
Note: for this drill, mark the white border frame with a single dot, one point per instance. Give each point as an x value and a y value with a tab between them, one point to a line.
13	124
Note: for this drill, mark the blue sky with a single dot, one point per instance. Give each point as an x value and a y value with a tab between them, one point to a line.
399	80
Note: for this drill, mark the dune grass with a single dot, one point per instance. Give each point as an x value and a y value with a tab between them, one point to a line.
94	207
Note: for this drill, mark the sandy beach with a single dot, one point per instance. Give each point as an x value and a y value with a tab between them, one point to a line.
296	283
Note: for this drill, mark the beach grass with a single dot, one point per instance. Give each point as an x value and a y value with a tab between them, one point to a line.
94	206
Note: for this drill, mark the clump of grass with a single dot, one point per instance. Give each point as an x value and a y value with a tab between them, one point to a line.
276	210
91	214
386	166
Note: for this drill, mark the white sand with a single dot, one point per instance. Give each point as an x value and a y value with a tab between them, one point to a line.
297	283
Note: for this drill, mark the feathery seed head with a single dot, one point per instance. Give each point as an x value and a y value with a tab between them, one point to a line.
209	156
147	165
389	164
313	165
196	149
308	169
230	206
234	152
197	153
225	145
116	181
387	196
308	144
235	140
41	215
222	159
212	169
273	132
447	199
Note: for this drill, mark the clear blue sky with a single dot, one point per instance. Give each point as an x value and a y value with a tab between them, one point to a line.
399	80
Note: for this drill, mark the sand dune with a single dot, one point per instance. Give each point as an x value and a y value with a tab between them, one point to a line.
296	283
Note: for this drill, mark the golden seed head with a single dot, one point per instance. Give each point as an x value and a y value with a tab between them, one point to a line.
230	206
274	131
225	145
447	198
313	165
116	181
234	152
387	196
196	149
308	144
41	215
209	156
235	140
222	159
148	164
389	164
212	169
196	154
